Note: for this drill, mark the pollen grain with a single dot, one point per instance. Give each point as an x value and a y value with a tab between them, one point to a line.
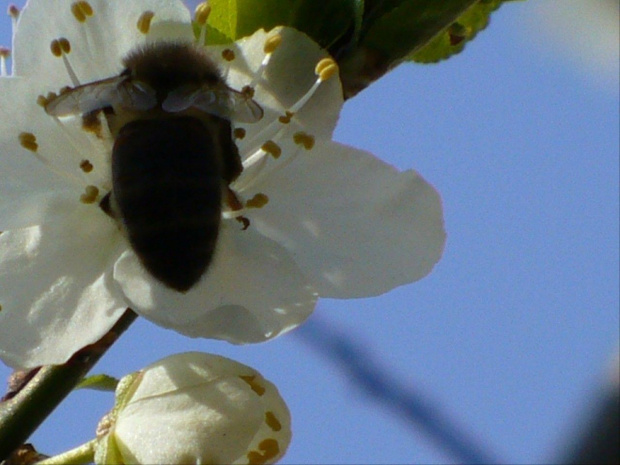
272	421
28	141
90	195
144	22
81	10
253	383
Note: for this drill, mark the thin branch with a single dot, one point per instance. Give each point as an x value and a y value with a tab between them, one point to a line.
21	415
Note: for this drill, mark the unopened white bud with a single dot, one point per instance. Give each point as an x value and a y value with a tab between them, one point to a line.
196	408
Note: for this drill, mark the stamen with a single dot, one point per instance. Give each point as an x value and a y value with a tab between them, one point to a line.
4	54
13	12
228	54
90	195
201	14
270	46
272	149
239	133
28	141
254	383
144	22
267	450
248	180
272	421
86	166
304	139
286	118
81	10
325	69
258	201
61	48
272	43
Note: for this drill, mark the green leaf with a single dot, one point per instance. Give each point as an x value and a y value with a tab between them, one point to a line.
405	26
325	21
453	39
98	382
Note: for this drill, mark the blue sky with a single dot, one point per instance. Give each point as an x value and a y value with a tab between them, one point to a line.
518	324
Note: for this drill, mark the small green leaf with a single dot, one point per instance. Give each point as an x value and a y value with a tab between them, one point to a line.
98	382
409	25
325	21
222	21
453	39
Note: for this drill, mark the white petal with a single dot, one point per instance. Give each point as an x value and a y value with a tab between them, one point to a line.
55	288
354	224
30	180
287	77
252	292
98	44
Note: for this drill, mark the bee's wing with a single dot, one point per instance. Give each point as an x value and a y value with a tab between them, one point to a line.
100	94
224	102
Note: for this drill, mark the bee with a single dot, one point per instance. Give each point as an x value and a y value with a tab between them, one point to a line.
174	154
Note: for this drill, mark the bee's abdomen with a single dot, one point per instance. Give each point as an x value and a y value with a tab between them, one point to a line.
167	185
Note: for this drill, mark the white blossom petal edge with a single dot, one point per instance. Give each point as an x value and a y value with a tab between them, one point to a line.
325	219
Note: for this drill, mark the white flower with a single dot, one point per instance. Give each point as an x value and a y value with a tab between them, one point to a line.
338	222
195	408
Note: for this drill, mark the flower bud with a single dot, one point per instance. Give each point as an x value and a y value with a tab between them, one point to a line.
195	408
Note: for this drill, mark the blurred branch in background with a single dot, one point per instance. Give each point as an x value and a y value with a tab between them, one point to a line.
599	438
383	387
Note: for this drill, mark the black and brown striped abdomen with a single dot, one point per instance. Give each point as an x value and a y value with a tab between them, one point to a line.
167	187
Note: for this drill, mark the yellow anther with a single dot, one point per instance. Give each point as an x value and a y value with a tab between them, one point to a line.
42	101
272	421
228	54
322	64
286	118
81	10
326	68
13	11
144	22
253	383
28	141
268	449
86	166
60	46
305	139
202	12
90	195
65	45
272	149
258	201
239	133
272	43
5	52
55	48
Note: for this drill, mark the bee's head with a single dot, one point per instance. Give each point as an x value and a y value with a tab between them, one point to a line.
166	66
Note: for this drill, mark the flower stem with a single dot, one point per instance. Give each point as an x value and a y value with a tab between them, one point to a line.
78	456
22	415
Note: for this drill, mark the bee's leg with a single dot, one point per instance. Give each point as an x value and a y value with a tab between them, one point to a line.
235	204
